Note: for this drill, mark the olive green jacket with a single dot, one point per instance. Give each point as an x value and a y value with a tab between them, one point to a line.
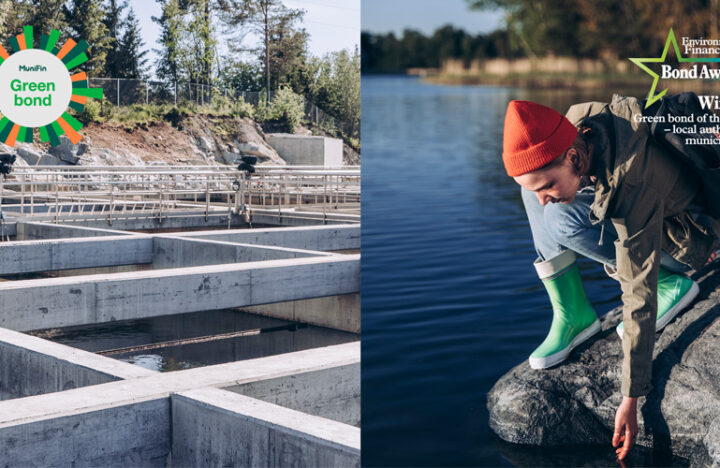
648	194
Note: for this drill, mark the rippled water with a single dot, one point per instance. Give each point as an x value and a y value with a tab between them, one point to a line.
450	298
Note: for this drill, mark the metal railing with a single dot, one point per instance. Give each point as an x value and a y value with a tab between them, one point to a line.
61	193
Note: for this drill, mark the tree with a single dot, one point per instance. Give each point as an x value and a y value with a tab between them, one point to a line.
132	59
85	18
288	51
242	76
48	15
113	22
612	28
201	30
13	16
171	23
270	19
335	87
207	41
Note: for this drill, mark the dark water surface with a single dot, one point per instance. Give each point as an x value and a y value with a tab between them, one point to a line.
131	333
450	298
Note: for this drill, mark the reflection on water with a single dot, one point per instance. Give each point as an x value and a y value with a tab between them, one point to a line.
132	333
583	456
450	298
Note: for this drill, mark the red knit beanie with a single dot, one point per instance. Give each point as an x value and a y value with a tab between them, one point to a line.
534	135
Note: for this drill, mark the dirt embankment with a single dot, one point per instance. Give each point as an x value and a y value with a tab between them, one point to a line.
181	140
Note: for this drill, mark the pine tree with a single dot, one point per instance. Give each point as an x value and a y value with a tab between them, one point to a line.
48	15
113	22
13	16
6	14
288	50
132	58
273	22
201	25
171	23
85	18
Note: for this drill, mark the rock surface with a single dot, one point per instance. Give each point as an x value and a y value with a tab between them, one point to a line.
196	140
65	151
575	402
251	141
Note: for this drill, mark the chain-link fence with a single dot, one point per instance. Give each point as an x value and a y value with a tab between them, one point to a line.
126	92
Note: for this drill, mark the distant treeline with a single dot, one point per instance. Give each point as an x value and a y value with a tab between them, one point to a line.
386	53
609	30
605	29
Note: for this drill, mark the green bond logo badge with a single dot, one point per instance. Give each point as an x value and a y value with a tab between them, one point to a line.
37	87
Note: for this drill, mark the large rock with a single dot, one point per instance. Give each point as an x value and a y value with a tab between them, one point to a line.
231	158
29	155
65	151
106	157
206	144
575	402
250	148
49	160
251	141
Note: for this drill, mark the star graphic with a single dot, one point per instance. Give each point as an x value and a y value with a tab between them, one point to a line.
640	62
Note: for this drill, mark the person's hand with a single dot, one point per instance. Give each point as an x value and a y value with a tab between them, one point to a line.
626	428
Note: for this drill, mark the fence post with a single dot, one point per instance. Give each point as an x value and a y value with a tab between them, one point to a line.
118	91
176	94
147	94
202	95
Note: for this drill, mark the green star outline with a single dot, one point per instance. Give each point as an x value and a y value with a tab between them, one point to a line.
640	62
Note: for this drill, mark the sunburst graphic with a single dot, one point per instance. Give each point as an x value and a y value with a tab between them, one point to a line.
71	54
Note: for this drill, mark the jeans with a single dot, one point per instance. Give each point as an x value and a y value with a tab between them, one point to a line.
557	227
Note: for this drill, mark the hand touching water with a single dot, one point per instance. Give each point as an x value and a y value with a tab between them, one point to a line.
626	428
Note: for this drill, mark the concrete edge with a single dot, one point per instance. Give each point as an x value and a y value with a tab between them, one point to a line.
71	240
170	272
271	230
61	226
86	359
306	252
161	385
324	431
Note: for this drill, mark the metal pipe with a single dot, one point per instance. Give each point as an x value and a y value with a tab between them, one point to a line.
201	339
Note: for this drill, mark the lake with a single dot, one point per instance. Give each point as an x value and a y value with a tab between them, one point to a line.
450	298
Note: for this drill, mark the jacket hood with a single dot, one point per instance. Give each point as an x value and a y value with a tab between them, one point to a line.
616	137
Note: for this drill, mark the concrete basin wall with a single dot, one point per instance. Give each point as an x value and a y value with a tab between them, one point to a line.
341	312
242	431
67	407
130	422
178	252
33	366
320	238
135	434
51	255
31	231
61	302
330	393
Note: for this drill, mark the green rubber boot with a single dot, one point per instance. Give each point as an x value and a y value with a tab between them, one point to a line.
574	319
674	293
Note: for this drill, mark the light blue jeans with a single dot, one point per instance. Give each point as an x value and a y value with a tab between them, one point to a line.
557	227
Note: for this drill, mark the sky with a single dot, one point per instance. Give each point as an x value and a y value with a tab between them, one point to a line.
332	25
383	16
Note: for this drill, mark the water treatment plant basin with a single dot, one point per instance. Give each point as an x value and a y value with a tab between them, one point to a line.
196	339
